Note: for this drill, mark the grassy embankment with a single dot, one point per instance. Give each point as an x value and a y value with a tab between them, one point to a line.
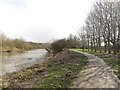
58	72
112	60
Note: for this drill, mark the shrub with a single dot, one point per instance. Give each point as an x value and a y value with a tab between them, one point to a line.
58	45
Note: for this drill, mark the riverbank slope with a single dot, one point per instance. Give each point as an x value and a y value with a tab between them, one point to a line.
57	72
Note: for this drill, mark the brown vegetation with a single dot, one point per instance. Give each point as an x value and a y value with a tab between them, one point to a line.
18	45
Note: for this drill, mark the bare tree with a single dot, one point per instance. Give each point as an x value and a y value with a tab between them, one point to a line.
103	26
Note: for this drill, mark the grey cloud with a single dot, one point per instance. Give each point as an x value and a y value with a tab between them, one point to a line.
39	34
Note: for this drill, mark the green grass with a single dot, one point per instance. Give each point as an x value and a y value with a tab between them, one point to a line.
91	52
113	63
61	73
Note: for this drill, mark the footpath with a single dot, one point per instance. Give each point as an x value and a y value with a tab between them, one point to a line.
96	75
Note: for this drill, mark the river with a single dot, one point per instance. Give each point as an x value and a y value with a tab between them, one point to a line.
20	61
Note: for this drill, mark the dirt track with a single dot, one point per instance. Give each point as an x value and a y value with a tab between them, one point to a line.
96	75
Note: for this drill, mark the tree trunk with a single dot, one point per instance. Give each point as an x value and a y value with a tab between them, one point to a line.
88	45
109	47
91	46
105	47
114	44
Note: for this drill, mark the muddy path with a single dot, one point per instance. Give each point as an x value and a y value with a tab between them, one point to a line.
96	75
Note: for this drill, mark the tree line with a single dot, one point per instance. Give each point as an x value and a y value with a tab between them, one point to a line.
102	28
19	44
101	31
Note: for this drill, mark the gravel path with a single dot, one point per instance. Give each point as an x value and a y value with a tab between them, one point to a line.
96	75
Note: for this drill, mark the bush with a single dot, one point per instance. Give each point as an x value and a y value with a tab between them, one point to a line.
58	45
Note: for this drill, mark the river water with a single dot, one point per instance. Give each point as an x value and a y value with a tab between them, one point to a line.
20	61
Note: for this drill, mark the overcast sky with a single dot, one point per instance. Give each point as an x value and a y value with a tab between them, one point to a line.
42	20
